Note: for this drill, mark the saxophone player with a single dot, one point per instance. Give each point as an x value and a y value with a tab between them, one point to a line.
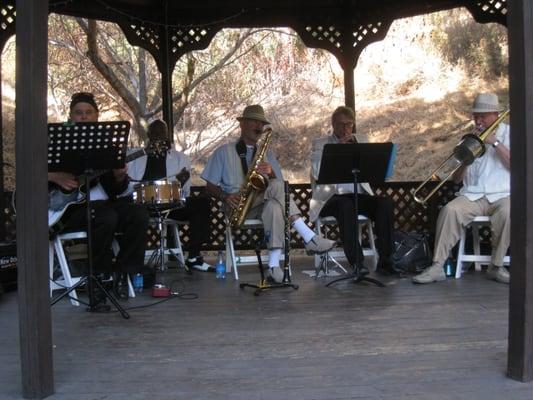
225	175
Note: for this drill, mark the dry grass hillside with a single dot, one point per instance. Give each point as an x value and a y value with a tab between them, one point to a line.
424	132
405	93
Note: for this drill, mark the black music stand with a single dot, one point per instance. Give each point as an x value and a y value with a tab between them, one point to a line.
86	149
351	163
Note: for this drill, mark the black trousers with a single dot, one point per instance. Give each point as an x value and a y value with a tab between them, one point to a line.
109	218
378	209
197	211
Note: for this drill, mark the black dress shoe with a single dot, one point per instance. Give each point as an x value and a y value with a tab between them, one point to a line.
120	285
99	296
362	270
386	266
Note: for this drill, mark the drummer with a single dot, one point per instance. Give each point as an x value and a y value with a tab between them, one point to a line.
163	162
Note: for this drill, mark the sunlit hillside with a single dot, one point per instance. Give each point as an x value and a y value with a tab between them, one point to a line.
414	88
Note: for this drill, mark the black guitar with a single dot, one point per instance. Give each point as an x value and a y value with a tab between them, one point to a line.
59	201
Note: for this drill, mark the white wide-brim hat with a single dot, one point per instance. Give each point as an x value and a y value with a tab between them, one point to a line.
485	103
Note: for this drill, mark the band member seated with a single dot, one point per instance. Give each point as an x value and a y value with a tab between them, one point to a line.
486	191
225	173
112	212
337	199
162	162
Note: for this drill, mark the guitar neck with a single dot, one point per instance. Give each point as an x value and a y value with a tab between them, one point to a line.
96	174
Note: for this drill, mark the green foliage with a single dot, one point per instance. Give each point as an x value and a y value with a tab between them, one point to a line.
481	49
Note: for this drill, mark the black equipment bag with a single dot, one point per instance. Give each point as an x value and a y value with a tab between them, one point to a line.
8	266
411	252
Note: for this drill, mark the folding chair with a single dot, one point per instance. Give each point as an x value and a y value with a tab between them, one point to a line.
477	258
337	254
66	280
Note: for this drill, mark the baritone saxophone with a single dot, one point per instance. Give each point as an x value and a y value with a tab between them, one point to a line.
253	182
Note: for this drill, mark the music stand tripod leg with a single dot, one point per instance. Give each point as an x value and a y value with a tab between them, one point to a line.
356	276
91	277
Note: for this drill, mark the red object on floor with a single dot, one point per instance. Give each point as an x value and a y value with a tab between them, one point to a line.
160	291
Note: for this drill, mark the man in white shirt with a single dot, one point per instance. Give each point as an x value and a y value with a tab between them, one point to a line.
485	191
164	162
337	199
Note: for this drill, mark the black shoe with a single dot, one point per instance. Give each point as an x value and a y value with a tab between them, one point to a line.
120	285
385	266
362	270
98	295
198	264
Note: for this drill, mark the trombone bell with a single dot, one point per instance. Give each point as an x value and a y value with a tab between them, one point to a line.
464	153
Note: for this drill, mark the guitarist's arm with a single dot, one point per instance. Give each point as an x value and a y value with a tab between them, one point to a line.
65	180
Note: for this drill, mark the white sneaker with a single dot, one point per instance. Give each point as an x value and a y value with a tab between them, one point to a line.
319	245
498	274
276	274
434	273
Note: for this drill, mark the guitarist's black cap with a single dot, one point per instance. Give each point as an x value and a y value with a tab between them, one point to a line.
83	97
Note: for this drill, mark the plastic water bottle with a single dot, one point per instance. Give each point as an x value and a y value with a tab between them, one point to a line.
449	269
138	283
220	267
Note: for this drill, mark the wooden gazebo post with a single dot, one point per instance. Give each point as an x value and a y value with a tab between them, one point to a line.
520	362
7	29
166	66
32	200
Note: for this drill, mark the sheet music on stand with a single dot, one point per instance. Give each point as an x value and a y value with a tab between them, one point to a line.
85	149
374	162
98	145
354	163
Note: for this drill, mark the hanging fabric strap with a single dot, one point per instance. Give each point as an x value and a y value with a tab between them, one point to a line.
241	148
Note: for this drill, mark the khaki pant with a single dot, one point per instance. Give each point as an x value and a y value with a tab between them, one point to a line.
460	212
269	206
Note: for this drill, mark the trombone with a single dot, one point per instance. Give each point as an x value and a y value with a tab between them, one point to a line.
464	153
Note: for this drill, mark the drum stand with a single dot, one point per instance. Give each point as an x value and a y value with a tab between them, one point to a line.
157	259
158	256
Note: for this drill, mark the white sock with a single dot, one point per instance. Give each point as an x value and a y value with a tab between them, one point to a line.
273	257
305	232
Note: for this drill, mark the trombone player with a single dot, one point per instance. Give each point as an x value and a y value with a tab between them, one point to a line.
485	191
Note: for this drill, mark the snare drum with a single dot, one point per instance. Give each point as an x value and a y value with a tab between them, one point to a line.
158	192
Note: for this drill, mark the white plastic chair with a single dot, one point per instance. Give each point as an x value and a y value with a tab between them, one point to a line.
338	253
233	261
176	251
477	258
67	280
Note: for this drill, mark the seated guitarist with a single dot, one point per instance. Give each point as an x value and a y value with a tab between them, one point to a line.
112	212
161	162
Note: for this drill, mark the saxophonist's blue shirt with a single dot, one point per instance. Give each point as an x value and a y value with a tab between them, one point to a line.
224	168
